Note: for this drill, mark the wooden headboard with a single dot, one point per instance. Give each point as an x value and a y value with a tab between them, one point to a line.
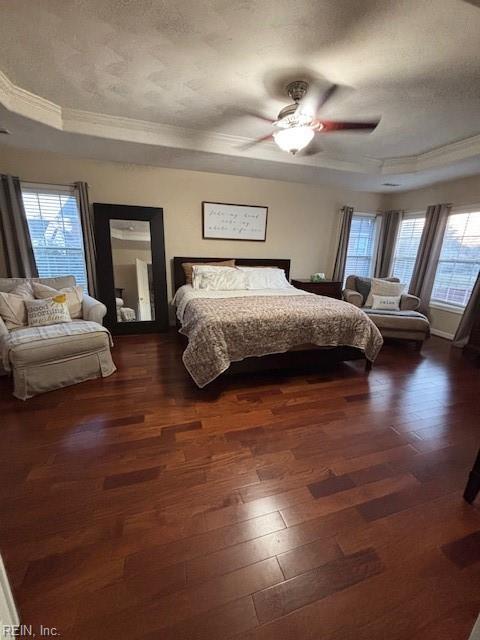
179	275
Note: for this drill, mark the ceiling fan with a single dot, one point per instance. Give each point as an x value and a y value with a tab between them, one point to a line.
297	123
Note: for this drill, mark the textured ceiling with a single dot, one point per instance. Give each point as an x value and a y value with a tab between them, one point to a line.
200	65
185	63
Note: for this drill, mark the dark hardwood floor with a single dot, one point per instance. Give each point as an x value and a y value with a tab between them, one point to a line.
317	505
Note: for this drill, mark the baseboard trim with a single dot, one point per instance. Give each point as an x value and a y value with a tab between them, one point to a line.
442	334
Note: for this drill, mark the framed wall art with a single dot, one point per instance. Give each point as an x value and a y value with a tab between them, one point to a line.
224	221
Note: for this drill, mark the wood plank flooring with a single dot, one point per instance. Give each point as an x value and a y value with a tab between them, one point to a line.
301	506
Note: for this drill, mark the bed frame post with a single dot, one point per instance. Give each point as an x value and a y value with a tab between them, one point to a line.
368	366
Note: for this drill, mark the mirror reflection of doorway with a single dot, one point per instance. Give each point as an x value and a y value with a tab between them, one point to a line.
145	310
132	270
131	266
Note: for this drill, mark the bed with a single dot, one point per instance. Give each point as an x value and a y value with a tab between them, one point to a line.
244	331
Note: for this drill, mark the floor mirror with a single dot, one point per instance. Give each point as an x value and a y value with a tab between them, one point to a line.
131	267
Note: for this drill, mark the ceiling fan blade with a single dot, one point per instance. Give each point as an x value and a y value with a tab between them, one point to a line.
331	126
259	116
315	98
249	145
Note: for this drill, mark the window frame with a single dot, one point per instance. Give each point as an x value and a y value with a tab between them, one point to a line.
69	190
406	215
440	304
376	238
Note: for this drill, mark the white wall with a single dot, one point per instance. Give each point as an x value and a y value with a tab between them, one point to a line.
464	191
302	219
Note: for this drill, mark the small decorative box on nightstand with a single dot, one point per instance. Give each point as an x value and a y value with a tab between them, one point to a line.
329	288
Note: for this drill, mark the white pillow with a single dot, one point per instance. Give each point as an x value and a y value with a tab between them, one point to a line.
49	311
384	288
12	305
218	278
199	269
386	303
265	278
74	296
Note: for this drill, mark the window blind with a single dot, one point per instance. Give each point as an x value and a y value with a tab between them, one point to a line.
56	231
406	247
459	261
361	245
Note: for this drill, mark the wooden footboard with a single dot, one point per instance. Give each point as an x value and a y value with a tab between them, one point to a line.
303	359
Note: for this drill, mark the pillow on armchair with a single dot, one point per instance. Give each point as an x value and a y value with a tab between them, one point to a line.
386	303
363	286
48	311
74	296
12	305
384	288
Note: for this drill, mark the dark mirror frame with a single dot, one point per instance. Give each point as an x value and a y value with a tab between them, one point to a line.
103	213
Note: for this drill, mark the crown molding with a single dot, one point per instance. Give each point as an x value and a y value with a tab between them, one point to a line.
440	156
145	132
28	104
76	121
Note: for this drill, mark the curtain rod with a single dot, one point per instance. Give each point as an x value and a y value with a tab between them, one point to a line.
28	183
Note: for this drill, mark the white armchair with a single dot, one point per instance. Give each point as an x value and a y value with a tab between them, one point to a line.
93	309
50	357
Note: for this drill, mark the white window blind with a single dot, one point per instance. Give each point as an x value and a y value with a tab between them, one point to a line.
406	247
361	245
459	261
56	231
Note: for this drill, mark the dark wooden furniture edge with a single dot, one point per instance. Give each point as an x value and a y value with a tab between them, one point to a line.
179	275
473	485
298	359
103	213
329	288
324	281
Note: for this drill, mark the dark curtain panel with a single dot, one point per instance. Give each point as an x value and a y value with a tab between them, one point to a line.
425	267
86	216
386	242
17	244
341	258
471	312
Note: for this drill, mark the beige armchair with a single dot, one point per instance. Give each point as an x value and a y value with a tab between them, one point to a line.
406	324
50	357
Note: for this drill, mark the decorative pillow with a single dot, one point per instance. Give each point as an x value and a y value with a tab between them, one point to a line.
265	278
188	266
363	286
386	303
48	311
74	296
12	305
218	278
384	288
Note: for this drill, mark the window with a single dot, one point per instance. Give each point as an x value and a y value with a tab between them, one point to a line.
406	247
56	231
361	245
459	261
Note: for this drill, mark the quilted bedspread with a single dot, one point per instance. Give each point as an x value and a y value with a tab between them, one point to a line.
224	330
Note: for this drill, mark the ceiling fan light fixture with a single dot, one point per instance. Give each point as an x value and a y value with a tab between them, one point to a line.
293	139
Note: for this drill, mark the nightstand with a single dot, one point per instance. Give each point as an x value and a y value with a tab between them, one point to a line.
329	288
